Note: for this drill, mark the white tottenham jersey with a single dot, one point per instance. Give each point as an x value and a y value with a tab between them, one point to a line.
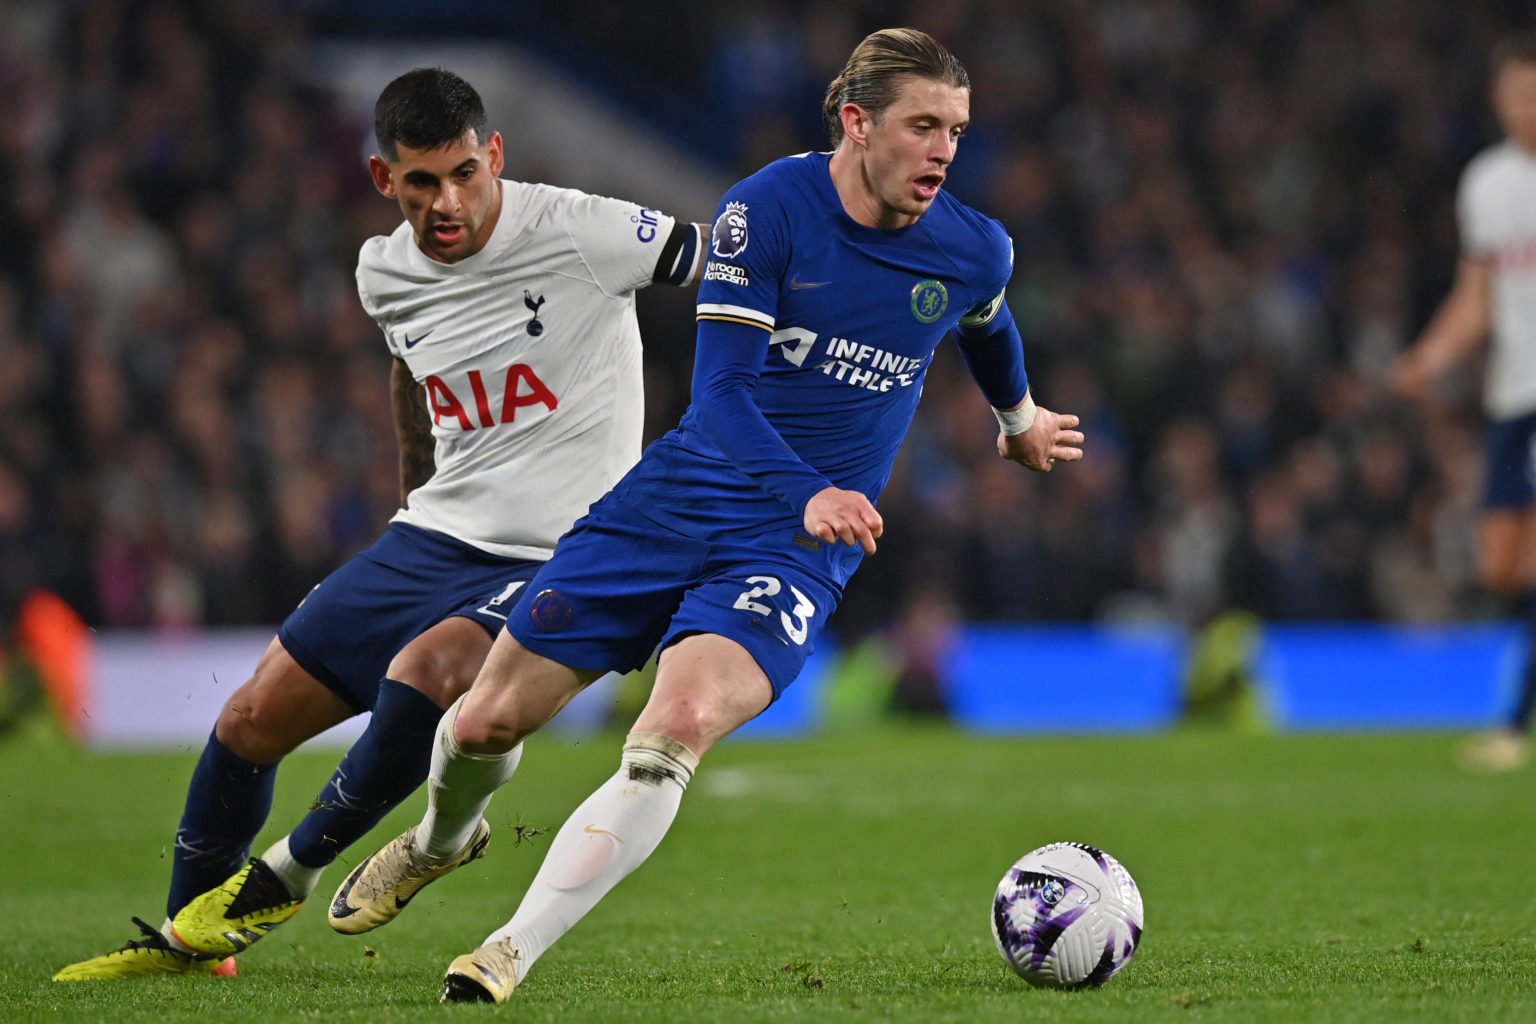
529	354
1496	207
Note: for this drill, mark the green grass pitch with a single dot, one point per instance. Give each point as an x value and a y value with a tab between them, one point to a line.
848	878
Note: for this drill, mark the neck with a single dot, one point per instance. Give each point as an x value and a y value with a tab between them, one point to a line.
857	192
491	218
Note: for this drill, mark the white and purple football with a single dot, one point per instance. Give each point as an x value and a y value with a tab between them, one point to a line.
1067	915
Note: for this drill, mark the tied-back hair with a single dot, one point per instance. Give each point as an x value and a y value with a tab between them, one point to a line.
877	68
1515	48
426	108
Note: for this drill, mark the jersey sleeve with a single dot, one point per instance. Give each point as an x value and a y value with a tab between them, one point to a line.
1472	218
738	306
987	336
620	242
366	271
748	253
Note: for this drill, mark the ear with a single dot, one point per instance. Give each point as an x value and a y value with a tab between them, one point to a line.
382	180
856	121
495	153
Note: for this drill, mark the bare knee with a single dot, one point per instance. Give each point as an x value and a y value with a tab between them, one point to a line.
251	730
278	708
440	676
689	722
1503	580
493	725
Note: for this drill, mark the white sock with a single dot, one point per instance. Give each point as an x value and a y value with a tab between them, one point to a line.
459	788
169	934
610	835
300	879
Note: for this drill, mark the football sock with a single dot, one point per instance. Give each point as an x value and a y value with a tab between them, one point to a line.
460	785
227	801
610	835
1525	701
384	766
299	879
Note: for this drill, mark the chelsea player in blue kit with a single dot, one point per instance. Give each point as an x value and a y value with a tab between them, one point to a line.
832	279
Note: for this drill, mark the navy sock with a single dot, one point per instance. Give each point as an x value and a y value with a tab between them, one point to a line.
386	764
227	802
1525	701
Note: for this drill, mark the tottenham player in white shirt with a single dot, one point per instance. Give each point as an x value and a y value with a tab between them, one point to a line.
1494	296
510	311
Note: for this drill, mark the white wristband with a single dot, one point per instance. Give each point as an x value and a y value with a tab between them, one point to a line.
1019	420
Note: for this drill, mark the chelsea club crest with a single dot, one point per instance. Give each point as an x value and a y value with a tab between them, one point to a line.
929	300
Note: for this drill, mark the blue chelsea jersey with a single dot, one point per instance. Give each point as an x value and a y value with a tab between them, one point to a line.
849	316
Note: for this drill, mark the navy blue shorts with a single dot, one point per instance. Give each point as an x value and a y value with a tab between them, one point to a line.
620	586
353	623
1510	455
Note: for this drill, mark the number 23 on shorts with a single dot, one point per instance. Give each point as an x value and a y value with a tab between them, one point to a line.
796	622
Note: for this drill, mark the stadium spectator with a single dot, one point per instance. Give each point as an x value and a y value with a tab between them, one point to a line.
1240	262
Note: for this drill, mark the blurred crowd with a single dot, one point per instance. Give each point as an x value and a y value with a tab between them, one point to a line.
1228	220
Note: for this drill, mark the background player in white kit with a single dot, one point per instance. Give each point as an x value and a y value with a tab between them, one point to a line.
1495	295
509	309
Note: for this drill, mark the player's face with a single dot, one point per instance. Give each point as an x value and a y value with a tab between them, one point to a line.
909	146
449	194
1514	99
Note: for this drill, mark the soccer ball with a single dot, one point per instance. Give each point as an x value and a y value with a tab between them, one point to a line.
1067	915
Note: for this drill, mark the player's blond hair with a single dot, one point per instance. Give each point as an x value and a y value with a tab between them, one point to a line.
880	64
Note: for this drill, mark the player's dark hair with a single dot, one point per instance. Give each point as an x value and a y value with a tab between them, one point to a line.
1516	48
426	108
878	67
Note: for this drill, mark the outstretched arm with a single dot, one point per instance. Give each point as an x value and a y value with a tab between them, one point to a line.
1454	332
1034	437
1049	437
413	431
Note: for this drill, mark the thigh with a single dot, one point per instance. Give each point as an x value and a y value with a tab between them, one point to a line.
277	709
1501	553
443	661
347	632
773	609
707	686
515	694
605	599
1525	545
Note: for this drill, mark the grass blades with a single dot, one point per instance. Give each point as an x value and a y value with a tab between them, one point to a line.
848	878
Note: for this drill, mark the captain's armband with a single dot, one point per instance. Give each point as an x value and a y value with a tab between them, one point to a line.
983	315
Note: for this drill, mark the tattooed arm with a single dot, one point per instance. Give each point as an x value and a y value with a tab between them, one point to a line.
413	430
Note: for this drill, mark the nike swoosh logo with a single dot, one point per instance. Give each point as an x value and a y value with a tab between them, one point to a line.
409	343
797	285
594	830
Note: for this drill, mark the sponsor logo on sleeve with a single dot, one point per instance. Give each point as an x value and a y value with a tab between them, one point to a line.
646	225
727	273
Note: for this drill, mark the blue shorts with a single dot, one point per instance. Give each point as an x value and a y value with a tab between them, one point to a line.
620	586
1510	454
349	628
